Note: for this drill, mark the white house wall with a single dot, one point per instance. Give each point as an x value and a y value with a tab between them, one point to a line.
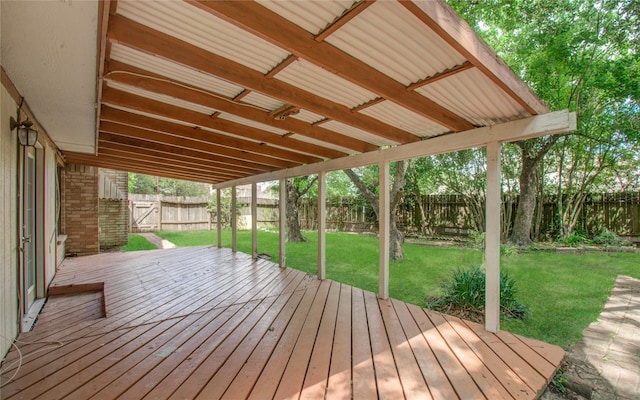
50	233
8	207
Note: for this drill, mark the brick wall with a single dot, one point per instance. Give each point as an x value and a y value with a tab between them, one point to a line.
81	209
113	213
114	221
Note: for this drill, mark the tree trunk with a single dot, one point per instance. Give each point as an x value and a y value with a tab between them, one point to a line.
521	234
294	234
396	239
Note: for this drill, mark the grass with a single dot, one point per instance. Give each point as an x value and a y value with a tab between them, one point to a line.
137	242
564	292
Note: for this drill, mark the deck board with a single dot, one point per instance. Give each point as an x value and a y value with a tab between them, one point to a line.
206	323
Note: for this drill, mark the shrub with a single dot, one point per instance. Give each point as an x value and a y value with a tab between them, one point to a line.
608	238
574	239
464	296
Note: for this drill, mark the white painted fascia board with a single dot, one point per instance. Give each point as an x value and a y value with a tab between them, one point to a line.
539	125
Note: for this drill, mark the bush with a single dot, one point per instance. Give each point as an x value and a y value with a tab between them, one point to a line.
574	239
464	296
607	238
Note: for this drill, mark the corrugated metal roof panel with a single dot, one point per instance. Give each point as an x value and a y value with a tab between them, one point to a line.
356	133
402	118
475	97
312	16
323	83
161	97
322	143
253	124
308	116
195	26
262	101
160	117
392	40
173	71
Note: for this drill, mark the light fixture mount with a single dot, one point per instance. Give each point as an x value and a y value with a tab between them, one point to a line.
27	136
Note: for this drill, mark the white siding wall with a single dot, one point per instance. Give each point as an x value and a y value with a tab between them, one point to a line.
50	234
8	207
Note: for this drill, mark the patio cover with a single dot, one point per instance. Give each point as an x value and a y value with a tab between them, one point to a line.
221	91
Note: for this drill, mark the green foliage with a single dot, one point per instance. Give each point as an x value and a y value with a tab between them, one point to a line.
559	380
575	239
464	295
607	238
146	184
477	239
225	207
137	242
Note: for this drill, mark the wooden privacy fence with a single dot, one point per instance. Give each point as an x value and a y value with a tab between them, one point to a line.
443	215
156	212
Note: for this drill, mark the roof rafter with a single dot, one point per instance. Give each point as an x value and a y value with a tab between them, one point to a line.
123	73
138	36
186	132
277	30
134	102
188	143
170	150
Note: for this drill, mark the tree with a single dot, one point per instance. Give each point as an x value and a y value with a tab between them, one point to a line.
147	184
296	188
580	55
396	239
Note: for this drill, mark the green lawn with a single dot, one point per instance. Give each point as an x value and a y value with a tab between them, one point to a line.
137	242
565	292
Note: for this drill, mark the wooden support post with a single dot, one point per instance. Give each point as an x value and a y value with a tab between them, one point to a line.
234	220
492	239
254	220
322	223
384	222
219	217
282	202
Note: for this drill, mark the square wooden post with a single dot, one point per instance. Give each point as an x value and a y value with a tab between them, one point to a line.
322	223
234	220
384	222
283	222
492	239
254	220
219	218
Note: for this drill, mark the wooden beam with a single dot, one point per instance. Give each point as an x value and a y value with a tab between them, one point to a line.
492	239
145	144
441	75
282	231
384	210
347	16
526	128
143	38
322	225
447	24
284	64
186	143
270	26
171	158
123	73
198	134
104	9
130	101
119	165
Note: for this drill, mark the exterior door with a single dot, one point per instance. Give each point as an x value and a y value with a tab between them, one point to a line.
29	228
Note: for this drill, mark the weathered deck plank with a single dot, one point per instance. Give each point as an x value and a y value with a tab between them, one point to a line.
207	323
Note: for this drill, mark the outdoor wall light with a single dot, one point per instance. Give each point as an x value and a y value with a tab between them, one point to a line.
26	134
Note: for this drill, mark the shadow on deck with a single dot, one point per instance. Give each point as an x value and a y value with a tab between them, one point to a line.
208	323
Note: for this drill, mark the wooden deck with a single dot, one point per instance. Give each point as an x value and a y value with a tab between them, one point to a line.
207	323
